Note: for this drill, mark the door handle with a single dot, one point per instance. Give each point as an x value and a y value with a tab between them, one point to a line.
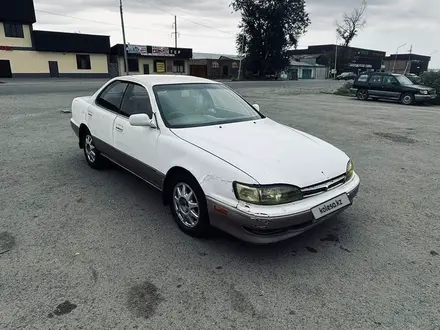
119	128
90	114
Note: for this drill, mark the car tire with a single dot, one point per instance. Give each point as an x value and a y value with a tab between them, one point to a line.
407	98
91	153
362	94
188	206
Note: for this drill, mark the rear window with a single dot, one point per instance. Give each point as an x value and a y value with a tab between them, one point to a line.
363	78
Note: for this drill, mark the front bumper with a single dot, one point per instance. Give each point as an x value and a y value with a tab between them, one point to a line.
278	223
424	98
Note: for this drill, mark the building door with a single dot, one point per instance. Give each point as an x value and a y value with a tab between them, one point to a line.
53	69
5	69
307	74
225	71
146	68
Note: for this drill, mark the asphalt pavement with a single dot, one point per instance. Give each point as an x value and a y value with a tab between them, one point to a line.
85	249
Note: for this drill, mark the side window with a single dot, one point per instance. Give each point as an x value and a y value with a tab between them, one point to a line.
363	78
388	80
111	97
376	79
136	100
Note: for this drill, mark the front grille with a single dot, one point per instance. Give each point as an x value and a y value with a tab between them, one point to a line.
323	186
433	92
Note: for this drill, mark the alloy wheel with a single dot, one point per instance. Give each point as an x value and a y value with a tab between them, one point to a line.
362	94
186	205
90	149
407	99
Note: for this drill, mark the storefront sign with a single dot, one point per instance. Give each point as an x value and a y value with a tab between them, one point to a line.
159	51
358	65
8	48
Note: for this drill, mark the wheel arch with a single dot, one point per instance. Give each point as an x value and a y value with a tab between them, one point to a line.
83	129
171	174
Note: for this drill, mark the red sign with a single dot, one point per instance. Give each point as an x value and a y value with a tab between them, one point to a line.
9	48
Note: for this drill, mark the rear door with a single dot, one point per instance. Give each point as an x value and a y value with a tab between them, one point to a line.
137	146
375	86
102	113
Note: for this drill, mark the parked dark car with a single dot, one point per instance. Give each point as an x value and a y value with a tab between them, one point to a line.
347	76
380	85
414	78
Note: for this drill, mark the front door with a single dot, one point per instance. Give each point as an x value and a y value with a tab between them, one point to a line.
5	69
146	68
53	69
101	115
137	145
391	87
225	71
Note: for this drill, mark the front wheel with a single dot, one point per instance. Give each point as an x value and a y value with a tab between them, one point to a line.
362	94
188	207
407	98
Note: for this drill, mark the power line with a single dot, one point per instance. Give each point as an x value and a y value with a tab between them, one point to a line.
186	19
129	27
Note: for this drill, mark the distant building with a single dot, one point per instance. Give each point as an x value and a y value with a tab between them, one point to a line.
28	53
407	63
349	59
304	70
214	66
143	59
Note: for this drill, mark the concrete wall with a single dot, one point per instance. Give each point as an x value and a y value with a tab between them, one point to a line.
27	63
16	42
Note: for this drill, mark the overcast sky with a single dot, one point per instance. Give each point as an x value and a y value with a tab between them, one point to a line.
390	23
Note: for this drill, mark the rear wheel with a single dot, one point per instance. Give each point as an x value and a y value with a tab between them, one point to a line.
407	98
188	206
362	94
92	154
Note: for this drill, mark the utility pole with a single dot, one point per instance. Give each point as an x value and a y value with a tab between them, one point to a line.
408	62
175	31
241	57
395	57
123	38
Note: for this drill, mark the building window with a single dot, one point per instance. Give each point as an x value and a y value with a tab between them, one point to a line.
159	67
179	66
13	30
215	65
234	65
83	62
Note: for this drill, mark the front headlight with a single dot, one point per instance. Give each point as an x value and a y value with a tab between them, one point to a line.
267	195
350	170
424	92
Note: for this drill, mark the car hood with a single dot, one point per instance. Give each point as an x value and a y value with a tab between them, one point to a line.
270	152
419	87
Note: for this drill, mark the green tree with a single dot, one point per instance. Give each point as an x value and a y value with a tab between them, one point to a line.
269	28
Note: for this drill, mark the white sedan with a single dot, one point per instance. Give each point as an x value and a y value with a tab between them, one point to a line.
217	160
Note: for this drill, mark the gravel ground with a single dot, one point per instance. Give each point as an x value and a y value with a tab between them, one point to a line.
81	249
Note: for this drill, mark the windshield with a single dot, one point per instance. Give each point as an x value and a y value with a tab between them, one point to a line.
404	80
192	105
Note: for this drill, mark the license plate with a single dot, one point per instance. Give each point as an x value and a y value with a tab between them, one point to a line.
331	206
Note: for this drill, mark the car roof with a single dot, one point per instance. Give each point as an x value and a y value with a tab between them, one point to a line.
164	79
381	73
